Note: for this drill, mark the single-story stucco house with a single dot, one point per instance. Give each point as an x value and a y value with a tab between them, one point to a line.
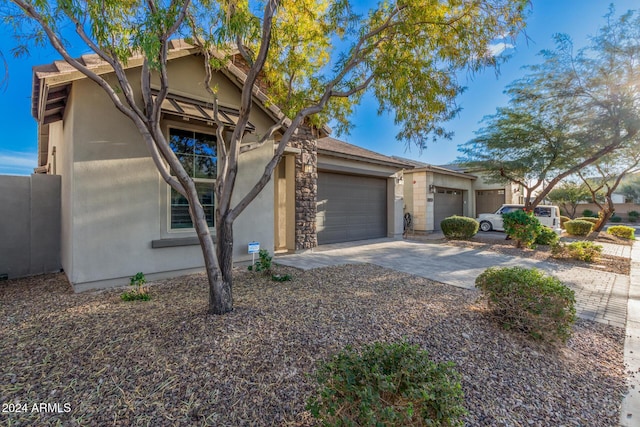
433	193
119	217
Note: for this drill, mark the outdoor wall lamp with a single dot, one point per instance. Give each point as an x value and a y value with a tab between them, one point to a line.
432	188
307	163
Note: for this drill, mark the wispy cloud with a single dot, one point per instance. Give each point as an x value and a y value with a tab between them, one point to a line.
17	163
497	48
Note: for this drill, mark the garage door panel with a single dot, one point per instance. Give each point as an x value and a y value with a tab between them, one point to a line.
350	208
447	202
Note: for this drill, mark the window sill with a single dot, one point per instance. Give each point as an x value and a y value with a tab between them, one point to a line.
176	241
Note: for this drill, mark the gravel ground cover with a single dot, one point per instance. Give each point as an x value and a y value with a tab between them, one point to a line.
610	263
165	362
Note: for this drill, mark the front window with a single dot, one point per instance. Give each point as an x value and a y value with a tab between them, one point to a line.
198	155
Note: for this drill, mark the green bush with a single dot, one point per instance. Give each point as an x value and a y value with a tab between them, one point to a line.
582	251
263	263
521	226
622	231
578	227
527	300
459	227
590	219
589	213
615	219
139	291
563	219
387	385
633	216
547	237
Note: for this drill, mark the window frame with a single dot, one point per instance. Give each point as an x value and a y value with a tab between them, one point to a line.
189	127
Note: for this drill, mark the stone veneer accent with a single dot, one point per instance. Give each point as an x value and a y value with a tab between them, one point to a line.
306	188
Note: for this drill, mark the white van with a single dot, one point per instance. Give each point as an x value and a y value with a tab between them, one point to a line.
547	215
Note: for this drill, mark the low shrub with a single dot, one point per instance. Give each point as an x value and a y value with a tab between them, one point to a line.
387	385
615	219
527	300
547	237
590	219
582	251
589	213
578	227
263	263
633	216
281	277
139	291
563	219
522	226
459	227
622	231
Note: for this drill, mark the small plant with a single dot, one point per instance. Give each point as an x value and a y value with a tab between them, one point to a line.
578	227
615	219
263	263
522	226
633	216
281	277
563	219
589	213
139	292
387	385
581	251
622	231
527	300
547	237
459	227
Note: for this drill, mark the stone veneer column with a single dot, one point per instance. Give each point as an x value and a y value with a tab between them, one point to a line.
306	189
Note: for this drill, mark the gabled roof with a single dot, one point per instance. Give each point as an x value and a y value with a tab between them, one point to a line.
451	169
337	148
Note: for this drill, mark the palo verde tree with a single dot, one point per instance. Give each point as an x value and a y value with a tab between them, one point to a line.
568	194
603	178
566	113
316	58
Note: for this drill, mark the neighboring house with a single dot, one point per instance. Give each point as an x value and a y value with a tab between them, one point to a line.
432	193
119	217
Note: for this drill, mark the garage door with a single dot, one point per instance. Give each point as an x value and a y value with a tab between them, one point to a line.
488	201
447	202
350	208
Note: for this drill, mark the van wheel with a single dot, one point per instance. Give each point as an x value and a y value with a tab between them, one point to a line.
485	226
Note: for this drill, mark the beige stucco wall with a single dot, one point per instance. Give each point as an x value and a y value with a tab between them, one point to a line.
115	202
419	202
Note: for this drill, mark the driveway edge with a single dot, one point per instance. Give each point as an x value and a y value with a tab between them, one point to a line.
630	409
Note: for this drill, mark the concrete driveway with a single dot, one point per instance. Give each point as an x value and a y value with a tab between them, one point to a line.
600	296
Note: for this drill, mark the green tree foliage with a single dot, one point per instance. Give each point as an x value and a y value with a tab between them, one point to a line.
522	226
566	113
567	195
315	60
630	188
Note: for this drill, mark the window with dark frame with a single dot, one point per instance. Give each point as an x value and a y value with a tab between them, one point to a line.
197	153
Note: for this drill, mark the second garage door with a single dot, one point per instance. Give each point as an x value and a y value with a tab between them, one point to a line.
447	202
350	208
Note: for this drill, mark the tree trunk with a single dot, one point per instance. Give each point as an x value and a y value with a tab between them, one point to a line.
606	212
220	288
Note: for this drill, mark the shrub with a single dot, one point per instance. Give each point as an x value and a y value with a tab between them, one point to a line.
547	237
563	219
590	219
521	226
633	216
582	251
615	219
589	213
387	385
140	292
578	227
527	300
281	277
622	231
263	263
459	227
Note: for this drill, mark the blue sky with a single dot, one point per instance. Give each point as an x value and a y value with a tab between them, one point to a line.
578	18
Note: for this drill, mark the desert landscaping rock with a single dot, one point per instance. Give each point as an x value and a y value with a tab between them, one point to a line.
166	362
